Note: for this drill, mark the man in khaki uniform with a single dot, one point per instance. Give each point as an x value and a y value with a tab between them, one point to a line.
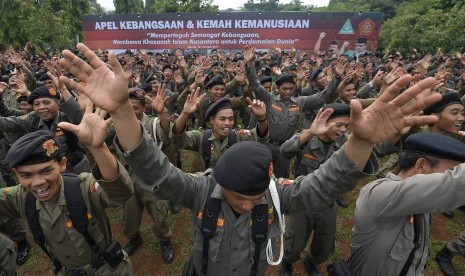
36	160
157	209
222	135
243	172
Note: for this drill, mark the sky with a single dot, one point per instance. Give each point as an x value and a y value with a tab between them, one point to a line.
225	4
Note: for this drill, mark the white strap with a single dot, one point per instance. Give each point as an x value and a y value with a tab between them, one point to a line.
155	121
282	226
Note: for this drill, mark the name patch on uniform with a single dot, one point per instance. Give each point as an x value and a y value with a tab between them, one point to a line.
311	156
277	107
294	108
94	187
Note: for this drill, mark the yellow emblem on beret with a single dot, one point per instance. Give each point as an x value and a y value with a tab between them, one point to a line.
52	91
49	146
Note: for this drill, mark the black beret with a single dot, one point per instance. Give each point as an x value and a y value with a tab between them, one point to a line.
215	81
44	77
332	58
285	79
266	79
168	66
164	58
22	99
214	64
447	99
436	145
43	92
245	168
340	110
33	148
221	104
136	96
315	73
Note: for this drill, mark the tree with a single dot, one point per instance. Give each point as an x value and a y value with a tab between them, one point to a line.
128	6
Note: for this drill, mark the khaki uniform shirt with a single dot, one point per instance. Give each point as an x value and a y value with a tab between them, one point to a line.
231	250
382	237
63	241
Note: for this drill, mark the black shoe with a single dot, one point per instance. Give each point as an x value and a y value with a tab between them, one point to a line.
444	260
175	208
23	252
342	203
133	244
312	269
448	214
462	208
286	269
167	251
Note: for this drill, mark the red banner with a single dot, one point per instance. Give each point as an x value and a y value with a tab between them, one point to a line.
300	30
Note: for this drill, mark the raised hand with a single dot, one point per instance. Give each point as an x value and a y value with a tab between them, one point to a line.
92	131
257	108
194	99
159	102
106	88
390	113
249	53
3	87
340	66
320	124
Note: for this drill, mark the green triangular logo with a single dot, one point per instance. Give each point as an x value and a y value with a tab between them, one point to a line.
347	28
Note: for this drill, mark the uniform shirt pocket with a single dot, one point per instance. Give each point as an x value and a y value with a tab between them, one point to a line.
403	245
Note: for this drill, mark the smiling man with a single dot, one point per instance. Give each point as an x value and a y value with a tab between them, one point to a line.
66	213
210	144
49	110
312	151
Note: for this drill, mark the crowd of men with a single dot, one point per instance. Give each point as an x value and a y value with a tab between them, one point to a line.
82	131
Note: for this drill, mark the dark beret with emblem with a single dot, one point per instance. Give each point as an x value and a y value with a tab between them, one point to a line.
137	96
266	79
287	78
315	73
245	168
43	92
221	104
436	145
339	110
33	148
169	66
447	99
22	99
216	81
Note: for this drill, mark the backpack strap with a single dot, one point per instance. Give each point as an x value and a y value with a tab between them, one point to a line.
36	229
77	208
206	147
232	138
259	232
209	222
416	244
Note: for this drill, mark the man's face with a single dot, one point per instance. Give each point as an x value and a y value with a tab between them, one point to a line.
215	70
240	203
450	119
222	123
138	108
341	124
442	166
267	86
43	180
154	85
321	81
25	107
286	91
49	84
348	93
216	92
168	73
360	48
46	108
334	48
